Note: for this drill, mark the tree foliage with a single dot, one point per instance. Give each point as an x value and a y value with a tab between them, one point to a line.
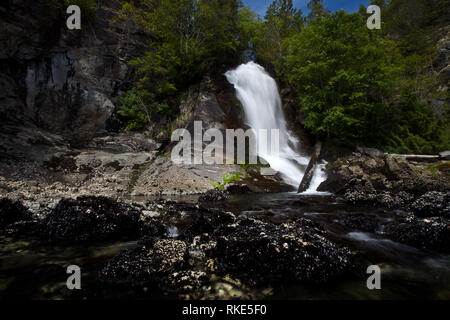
190	38
355	85
317	10
281	21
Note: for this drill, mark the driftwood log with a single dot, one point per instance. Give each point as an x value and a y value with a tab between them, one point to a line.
416	157
309	173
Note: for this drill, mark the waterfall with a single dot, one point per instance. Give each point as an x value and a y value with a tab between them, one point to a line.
258	94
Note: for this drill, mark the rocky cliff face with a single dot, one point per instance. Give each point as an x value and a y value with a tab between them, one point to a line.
63	81
58	93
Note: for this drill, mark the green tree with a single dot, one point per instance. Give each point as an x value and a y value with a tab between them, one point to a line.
281	21
190	38
348	83
317	10
248	28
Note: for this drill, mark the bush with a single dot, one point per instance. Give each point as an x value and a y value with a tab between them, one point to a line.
139	107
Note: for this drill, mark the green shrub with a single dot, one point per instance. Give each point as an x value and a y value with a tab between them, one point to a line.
139	107
226	179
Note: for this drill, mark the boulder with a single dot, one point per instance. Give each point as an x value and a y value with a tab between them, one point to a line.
203	221
12	212
431	234
432	204
263	252
234	188
92	218
151	263
371	152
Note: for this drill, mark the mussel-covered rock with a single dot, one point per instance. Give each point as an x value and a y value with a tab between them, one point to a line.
186	281
92	218
432	204
264	252
234	188
214	195
12	212
202	221
150	264
432	233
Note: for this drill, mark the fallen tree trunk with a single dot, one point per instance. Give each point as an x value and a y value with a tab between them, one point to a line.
309	173
415	157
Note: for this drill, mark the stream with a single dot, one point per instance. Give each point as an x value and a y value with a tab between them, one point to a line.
31	269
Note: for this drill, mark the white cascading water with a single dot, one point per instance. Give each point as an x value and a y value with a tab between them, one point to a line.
258	93
318	177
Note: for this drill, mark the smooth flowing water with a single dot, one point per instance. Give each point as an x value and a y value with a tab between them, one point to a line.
258	93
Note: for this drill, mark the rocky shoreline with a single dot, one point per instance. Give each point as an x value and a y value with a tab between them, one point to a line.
207	243
184	248
419	190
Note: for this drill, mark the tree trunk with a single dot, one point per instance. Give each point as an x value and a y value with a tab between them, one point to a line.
309	173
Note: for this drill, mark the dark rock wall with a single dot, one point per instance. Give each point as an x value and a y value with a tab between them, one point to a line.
64	81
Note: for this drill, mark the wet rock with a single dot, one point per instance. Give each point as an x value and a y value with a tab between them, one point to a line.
361	222
337	180
237	189
432	204
204	221
263	252
432	234
151	228
214	195
186	281
12	212
360	191
92	218
150	264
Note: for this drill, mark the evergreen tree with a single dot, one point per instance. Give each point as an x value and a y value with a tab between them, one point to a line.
317	10
282	20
